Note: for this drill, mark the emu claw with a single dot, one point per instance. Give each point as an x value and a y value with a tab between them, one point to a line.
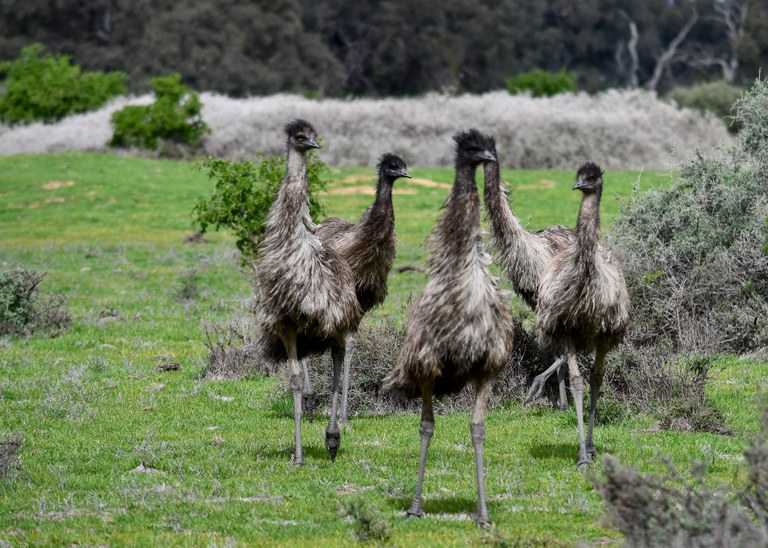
483	522
414	513
309	406
535	390
333	441
584	461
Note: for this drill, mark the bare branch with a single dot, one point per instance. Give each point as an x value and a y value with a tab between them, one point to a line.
671	53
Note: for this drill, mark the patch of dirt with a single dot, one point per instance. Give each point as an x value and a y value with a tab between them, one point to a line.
196	238
53	185
168	366
54	200
358	179
154	387
429	183
543	183
367	190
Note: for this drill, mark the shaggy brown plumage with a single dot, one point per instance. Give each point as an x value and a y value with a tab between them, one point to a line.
583	301
369	248
459	329
308	300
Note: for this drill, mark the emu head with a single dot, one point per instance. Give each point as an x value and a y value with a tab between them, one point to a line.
301	135
392	167
589	178
473	147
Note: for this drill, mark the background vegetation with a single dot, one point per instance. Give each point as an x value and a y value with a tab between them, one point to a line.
115	446
340	47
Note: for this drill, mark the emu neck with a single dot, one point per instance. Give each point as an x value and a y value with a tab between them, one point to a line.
503	221
293	191
465	179
379	219
588	225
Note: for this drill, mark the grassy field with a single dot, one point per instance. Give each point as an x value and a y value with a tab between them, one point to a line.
116	452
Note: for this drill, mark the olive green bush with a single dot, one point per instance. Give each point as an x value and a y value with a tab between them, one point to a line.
715	97
48	87
173	119
244	192
541	83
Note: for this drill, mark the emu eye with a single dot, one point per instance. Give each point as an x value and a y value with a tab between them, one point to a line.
472	150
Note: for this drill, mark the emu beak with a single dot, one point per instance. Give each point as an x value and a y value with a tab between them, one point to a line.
486	155
580	183
312	144
405	173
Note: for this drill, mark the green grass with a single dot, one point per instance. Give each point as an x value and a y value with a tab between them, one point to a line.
117	453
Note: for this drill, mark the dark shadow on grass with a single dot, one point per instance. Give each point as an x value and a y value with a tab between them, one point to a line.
439	505
313	452
562	451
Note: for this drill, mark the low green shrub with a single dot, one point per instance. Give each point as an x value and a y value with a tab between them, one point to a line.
48	87
22	311
674	510
244	192
541	83
173	119
368	522
716	97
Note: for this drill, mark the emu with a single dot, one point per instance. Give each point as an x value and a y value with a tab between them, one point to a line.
523	256
583	302
458	328
369	248
308	302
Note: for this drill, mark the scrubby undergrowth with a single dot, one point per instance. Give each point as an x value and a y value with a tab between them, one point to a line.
620	129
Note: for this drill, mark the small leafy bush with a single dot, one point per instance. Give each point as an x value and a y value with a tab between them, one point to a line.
541	83
22	311
673	510
368	523
244	192
48	87
716	97
9	456
173	119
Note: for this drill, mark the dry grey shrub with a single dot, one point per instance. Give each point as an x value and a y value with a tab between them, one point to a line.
693	257
672	510
234	350
9	455
622	128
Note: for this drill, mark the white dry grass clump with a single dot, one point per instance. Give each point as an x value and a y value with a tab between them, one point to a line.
629	129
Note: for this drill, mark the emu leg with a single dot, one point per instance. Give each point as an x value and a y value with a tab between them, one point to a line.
577	391
538	382
350	348
332	433
562	401
595	381
296	385
477	430
426	429
308	393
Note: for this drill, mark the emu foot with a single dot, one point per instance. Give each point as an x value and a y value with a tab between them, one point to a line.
535	390
591	451
414	512
333	441
483	522
297	461
308	404
585	460
562	406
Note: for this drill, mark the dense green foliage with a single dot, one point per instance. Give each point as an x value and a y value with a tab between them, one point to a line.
47	87
715	97
541	83
339	47
174	117
244	192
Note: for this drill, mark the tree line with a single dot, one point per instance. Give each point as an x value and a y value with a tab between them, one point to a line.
396	47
